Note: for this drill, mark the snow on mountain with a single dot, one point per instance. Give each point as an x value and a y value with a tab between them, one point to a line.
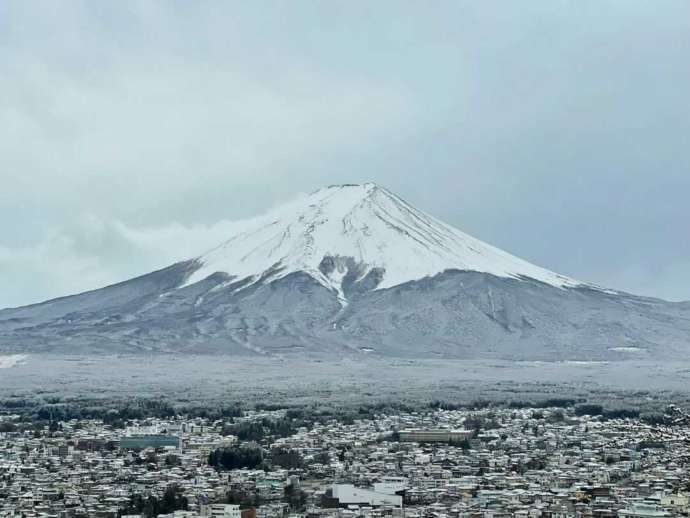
354	230
316	267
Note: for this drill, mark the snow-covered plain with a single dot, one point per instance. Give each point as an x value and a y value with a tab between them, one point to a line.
224	379
371	226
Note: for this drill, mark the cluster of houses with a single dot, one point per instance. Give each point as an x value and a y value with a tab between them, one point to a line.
434	463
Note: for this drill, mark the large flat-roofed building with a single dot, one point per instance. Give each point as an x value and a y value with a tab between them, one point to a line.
391	485
438	435
221	511
348	494
643	510
141	442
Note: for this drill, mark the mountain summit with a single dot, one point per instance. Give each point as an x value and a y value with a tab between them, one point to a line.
346	233
353	270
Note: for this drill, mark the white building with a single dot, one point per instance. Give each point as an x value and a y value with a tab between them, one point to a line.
391	485
348	494
642	510
440	435
221	511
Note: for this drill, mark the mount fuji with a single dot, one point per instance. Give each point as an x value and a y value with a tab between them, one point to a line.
343	234
354	270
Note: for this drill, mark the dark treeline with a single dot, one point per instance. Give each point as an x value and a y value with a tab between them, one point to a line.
264	428
150	506
236	457
251	456
49	409
580	408
599	410
556	402
53	408
287	459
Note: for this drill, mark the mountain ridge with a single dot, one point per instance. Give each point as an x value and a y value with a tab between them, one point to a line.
353	270
369	224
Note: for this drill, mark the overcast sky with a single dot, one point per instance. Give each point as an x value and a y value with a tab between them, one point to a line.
556	130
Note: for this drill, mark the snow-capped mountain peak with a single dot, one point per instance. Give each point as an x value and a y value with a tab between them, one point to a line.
328	276
343	234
